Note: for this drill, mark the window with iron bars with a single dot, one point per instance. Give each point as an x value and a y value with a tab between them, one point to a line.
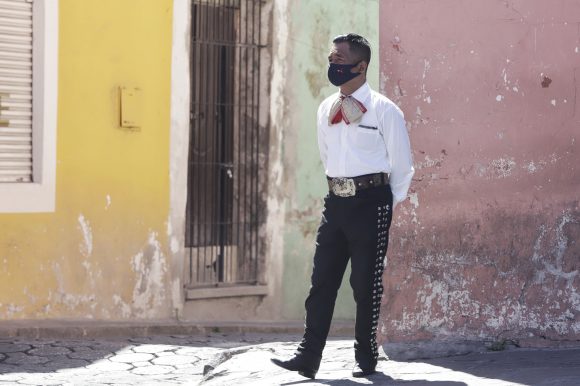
228	144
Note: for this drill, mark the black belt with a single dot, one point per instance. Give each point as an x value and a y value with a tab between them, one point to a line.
347	187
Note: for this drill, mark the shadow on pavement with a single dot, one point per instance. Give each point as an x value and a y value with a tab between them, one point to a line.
376	379
41	356
110	361
523	366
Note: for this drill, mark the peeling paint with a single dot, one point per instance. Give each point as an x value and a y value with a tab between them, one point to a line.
169	228
414	200
531	167
383	80
63	296
10	310
426	67
150	268
396	44
86	248
451	289
430	162
176	293
174	244
503	167
278	73
124	308
423	95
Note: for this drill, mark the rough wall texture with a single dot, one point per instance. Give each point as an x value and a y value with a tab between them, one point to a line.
103	253
488	245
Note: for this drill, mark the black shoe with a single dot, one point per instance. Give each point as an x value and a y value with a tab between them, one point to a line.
297	363
360	371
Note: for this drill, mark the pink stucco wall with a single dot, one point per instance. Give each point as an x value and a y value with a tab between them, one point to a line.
488	246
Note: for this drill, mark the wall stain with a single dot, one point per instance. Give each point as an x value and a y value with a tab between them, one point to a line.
315	75
308	218
546	82
396	44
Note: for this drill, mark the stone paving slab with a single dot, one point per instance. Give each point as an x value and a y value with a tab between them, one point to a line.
244	359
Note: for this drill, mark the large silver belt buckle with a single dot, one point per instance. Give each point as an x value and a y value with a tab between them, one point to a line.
343	187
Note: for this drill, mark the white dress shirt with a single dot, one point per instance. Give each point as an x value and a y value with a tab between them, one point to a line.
379	142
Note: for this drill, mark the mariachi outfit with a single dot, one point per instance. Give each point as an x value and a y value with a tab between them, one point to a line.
365	150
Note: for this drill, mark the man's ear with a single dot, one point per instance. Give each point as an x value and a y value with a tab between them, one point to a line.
362	67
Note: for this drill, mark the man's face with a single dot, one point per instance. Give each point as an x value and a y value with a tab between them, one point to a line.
340	54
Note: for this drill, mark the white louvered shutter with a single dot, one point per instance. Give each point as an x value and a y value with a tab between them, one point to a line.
15	91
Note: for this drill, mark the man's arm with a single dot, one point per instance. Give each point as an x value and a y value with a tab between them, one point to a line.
399	153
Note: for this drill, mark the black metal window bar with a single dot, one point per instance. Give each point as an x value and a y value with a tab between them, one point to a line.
226	148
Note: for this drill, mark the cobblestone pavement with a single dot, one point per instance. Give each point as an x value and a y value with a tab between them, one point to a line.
244	360
140	361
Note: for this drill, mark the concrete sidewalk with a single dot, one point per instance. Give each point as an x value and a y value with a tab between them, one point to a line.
243	359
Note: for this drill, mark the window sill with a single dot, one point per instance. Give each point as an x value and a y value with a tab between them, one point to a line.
225	292
27	197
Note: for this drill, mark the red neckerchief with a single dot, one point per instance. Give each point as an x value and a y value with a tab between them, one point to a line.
346	108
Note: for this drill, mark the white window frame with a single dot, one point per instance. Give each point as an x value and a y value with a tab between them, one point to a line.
39	195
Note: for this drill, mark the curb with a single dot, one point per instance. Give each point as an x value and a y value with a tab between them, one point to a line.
76	329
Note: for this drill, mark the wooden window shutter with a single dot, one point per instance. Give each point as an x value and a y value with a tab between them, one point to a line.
15	91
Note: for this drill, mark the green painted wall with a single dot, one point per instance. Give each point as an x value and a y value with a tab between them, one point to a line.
312	26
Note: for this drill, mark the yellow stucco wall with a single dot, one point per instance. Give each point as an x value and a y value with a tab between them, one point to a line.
103	253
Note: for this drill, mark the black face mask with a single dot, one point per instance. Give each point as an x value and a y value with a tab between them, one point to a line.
339	74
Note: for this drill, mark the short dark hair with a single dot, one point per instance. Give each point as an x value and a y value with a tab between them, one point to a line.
357	44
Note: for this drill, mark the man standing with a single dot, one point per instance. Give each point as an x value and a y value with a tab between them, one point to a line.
365	150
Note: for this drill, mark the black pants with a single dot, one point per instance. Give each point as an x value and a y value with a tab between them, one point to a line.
354	227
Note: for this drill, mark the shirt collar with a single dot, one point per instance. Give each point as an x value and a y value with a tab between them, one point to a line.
362	92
